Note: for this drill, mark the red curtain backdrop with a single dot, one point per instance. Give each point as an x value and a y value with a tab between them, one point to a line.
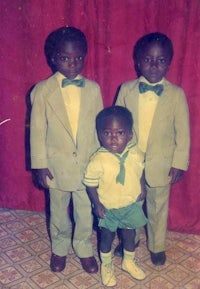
112	27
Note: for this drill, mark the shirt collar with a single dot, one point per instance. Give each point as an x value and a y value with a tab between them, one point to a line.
127	148
143	79
59	76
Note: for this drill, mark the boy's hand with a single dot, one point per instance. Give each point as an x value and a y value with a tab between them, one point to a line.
176	175
40	177
142	196
99	210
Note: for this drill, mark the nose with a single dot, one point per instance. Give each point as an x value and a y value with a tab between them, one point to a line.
114	137
154	63
72	61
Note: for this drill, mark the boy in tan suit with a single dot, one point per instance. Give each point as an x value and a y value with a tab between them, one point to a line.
161	123
64	108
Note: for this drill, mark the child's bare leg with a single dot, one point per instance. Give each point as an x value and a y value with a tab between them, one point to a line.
107	238
128	239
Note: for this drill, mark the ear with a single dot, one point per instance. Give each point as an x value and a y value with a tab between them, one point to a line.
130	135
53	60
99	137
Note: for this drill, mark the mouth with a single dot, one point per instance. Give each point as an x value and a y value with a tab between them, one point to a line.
72	71
114	147
153	73
154	76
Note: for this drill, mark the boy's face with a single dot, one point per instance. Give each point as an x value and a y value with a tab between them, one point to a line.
154	62
69	59
115	135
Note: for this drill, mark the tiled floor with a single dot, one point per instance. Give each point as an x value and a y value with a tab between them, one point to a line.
25	253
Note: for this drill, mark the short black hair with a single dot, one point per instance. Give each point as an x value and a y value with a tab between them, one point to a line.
63	34
155	37
114	112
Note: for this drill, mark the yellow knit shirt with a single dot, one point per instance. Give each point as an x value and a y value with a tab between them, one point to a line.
102	171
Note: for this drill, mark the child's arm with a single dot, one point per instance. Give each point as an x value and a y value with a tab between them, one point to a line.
98	207
142	196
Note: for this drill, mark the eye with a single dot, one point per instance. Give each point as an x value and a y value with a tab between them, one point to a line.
147	60
79	58
162	61
121	133
63	58
106	133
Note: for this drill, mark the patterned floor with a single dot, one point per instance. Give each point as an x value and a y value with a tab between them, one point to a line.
25	253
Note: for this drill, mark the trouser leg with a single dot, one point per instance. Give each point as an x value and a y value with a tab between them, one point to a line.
60	223
83	224
157	211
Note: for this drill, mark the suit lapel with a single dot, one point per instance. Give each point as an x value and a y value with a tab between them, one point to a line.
160	109
55	100
132	103
83	109
163	101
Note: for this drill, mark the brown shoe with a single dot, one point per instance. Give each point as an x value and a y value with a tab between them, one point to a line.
158	258
57	263
89	264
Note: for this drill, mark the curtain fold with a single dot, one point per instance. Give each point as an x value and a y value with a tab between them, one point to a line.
111	27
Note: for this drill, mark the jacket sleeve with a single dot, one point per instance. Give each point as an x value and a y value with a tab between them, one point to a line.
182	132
38	128
121	95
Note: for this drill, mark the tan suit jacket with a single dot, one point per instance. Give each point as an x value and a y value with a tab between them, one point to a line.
52	143
169	137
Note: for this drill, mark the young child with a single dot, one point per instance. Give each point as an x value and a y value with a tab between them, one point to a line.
161	123
64	108
113	179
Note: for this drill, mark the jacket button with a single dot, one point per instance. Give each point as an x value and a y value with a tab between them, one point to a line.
74	154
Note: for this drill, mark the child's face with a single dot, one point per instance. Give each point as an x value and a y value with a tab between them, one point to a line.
69	59
154	63
115	135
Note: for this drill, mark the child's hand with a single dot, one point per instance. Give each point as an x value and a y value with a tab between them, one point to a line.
142	196
176	175
99	210
40	177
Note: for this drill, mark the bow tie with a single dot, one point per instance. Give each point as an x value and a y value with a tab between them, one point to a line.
158	88
77	82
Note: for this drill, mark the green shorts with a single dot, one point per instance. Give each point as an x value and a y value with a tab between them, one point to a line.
130	217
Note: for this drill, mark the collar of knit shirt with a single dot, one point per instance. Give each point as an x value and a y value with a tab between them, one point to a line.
120	178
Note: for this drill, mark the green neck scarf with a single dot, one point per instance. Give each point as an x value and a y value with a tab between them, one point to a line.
121	176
